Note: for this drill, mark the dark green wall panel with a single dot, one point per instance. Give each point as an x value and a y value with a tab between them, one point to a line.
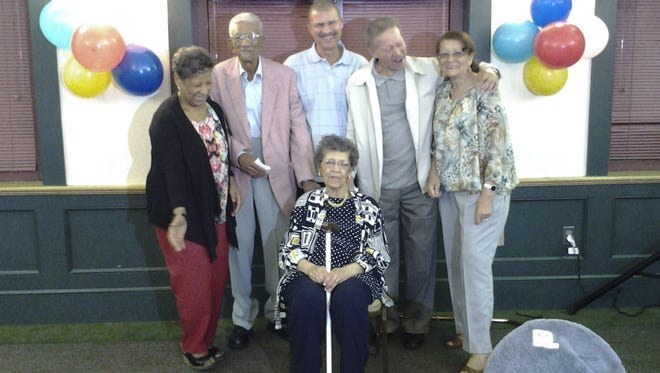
20	253
636	222
534	228
92	256
111	239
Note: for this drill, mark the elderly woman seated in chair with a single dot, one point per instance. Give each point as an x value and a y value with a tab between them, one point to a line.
359	258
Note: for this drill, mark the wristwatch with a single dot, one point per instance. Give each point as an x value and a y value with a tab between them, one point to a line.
490	187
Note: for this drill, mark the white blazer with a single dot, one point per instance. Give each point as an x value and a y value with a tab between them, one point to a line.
364	122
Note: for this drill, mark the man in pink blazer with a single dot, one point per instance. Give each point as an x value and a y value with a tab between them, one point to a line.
272	150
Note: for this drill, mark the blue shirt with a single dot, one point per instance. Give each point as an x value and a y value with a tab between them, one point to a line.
322	89
252	96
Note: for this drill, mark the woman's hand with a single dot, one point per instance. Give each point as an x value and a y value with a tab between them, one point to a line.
341	274
433	183
315	273
235	196
176	231
484	206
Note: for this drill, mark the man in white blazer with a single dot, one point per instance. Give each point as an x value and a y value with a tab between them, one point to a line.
390	114
260	100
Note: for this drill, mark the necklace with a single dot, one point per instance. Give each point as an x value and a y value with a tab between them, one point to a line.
340	204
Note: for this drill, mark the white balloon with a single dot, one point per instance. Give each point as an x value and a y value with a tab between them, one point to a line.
595	33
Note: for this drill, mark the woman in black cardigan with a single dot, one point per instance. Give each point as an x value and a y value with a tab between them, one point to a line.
190	190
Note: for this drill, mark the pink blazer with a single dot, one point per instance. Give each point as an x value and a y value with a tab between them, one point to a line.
286	142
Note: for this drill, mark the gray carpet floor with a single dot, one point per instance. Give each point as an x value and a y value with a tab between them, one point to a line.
153	347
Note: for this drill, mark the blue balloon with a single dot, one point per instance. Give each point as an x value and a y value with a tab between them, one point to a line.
57	23
514	41
140	72
548	11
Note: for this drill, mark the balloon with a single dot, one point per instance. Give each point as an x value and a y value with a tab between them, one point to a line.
547	11
514	41
57	23
140	72
97	48
559	45
595	33
541	80
82	82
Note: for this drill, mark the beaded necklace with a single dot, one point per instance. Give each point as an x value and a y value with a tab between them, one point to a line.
340	204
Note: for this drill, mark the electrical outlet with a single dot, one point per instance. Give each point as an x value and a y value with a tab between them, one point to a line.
568	229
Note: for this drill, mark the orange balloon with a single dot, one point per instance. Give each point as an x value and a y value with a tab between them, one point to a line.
542	80
82	82
97	48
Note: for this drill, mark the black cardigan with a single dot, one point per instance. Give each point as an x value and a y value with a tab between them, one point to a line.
180	175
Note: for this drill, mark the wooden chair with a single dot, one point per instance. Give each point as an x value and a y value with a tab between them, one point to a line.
378	314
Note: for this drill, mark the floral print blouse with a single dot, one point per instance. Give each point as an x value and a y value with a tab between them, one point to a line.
217	148
472	144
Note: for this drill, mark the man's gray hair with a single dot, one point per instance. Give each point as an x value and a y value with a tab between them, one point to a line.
377	27
246	17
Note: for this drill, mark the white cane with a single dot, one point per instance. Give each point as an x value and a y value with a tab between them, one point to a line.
330	227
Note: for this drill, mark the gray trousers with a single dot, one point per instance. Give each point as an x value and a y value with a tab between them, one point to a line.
273	223
470	250
411	227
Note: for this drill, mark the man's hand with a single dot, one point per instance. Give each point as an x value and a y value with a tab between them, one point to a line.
488	79
308	185
247	165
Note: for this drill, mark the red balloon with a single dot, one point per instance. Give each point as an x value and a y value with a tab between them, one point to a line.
97	48
559	45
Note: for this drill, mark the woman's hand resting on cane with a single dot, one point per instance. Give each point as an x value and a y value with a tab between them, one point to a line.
341	274
330	279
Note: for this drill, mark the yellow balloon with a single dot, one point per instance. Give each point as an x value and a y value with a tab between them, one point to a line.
542	80
82	82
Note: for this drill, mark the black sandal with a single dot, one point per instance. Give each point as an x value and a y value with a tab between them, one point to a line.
198	363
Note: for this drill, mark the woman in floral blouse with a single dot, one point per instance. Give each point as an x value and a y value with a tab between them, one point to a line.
472	173
192	199
358	260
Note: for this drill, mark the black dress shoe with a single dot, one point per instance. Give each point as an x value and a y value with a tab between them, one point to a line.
239	338
282	333
413	341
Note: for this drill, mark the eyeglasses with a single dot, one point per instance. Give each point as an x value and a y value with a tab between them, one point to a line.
456	55
252	37
331	163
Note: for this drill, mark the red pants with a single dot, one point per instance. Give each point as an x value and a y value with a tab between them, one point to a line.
198	287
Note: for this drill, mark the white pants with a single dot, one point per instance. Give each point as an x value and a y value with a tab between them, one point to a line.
272	223
469	250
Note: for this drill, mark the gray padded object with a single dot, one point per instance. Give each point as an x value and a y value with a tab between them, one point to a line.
553	346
